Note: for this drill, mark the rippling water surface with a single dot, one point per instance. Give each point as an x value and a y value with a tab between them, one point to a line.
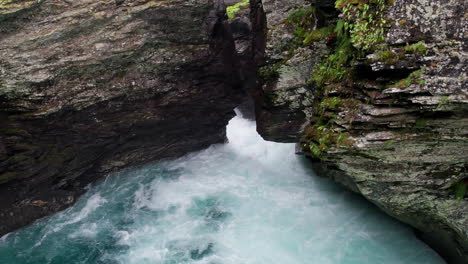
246	202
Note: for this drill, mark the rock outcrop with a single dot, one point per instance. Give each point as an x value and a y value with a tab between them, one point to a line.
88	87
283	96
386	115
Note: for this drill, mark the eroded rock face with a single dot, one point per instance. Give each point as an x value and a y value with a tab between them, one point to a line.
403	120
89	87
284	98
243	32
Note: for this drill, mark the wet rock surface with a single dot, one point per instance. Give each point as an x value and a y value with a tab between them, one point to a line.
284	97
89	87
403	115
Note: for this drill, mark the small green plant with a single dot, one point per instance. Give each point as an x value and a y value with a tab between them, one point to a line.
417	48
7	176
388	143
413	78
365	20
323	135
388	56
361	27
4	3
420	123
444	101
320	138
391	56
460	189
335	67
303	22
232	10
402	22
12	6
318	34
269	72
330	103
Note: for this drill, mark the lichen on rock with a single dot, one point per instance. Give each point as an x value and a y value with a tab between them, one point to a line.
388	112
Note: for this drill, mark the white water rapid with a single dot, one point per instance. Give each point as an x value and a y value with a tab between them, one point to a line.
245	202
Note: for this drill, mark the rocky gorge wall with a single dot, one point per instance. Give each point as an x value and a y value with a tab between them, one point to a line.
376	94
89	87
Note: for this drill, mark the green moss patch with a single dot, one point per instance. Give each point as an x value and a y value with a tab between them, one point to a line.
362	27
417	48
6	177
318	139
303	22
413	78
232	10
323	135
365	20
12	6
460	189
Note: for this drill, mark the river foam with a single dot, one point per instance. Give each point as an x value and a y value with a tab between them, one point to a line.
245	202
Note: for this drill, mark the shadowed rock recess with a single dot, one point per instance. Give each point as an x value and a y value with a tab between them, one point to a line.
377	94
88	87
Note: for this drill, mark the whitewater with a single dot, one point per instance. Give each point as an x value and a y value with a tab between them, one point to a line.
248	201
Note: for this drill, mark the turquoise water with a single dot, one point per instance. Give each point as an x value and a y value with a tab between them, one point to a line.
246	202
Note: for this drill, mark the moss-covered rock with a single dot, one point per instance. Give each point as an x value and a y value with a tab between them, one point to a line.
401	138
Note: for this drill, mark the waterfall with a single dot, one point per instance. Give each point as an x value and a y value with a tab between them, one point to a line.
245	202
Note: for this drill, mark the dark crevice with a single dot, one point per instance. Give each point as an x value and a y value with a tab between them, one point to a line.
365	72
437	115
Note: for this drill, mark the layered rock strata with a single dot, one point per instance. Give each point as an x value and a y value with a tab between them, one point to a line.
392	125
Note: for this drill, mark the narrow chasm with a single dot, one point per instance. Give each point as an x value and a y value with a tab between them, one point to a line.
374	93
247	201
171	134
